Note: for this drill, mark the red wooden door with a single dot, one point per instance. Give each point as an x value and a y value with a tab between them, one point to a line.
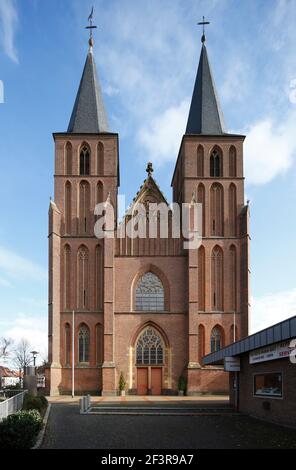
156	380
142	381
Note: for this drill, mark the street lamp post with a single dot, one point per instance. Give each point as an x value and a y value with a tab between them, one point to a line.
34	354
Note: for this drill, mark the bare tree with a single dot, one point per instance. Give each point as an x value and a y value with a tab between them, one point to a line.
5	344
22	355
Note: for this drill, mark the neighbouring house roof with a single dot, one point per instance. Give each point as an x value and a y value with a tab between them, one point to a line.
6	372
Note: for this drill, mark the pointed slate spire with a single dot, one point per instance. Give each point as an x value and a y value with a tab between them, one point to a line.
89	115
205	115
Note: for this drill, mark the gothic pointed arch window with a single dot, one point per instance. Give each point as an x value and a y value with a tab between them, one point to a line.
83	343
84	160
201	199
100	193
68	159
216	339
200	161
232	162
149	295
201	279
67	344
149	348
232	210
83	278
67	277
217	279
100	159
217	210
201	342
216	164
84	207
99	277
68	207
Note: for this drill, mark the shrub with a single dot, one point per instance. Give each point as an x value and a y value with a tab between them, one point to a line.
122	382
34	403
182	384
43	400
20	430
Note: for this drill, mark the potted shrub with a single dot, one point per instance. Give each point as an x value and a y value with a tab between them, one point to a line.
122	385
182	384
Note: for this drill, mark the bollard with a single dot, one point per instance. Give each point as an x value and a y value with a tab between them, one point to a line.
81	405
84	404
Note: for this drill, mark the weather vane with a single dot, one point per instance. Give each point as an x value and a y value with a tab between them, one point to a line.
91	27
203	23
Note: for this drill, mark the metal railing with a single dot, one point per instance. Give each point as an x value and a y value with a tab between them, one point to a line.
12	405
7	393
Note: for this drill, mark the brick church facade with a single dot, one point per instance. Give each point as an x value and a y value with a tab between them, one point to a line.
147	308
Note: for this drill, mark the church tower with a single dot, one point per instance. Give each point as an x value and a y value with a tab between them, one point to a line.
80	265
210	167
145	308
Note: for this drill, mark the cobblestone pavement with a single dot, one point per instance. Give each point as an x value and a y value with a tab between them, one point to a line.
67	429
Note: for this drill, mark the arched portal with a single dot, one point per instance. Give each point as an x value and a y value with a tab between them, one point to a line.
150	360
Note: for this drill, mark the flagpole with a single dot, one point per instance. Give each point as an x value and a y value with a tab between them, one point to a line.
73	354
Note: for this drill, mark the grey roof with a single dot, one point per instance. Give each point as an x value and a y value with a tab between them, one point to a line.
89	115
205	115
282	331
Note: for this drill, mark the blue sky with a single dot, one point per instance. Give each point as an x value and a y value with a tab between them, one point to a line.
147	54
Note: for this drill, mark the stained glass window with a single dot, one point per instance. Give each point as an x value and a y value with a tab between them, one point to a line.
149	350
149	294
216	339
83	344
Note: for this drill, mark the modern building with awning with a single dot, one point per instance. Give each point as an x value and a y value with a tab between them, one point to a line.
262	367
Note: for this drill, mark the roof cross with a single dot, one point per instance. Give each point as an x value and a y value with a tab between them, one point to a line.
149	169
203	23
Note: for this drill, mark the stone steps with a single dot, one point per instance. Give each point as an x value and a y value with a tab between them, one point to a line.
149	410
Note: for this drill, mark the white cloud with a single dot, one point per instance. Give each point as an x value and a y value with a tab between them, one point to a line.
8	25
5	283
33	329
162	137
236	82
269	149
110	90
272	308
18	267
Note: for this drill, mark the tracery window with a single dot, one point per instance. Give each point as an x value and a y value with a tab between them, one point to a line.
216	165
149	350
216	339
149	294
83	344
217	279
83	277
85	161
